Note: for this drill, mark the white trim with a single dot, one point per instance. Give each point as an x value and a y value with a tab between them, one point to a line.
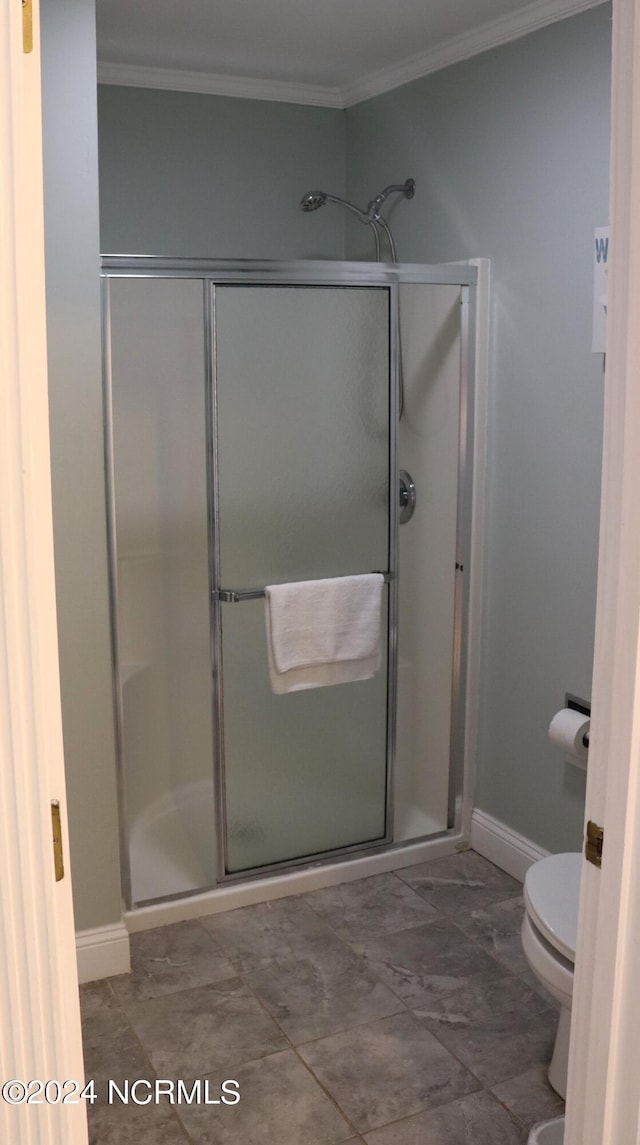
103	952
39	1005
493	34
210	83
231	897
501	845
490	35
602	1103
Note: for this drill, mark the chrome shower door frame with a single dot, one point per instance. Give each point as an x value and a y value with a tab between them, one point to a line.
214	273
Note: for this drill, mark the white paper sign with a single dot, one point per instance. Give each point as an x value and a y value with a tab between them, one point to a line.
600	273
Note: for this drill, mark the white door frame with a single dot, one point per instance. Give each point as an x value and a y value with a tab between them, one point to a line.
603	1105
39	1007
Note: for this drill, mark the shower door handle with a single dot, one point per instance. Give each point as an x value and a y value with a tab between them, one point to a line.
235	595
407	496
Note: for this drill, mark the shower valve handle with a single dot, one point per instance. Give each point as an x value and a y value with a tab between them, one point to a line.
407	496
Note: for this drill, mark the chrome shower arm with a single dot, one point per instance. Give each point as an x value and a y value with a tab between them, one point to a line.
408	189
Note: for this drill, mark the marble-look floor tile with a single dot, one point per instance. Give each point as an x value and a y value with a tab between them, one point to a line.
254	935
96	997
322	991
496	928
530	1097
196	1032
134	1125
387	1070
169	958
480	999
280	1102
497	1029
474	1120
364	909
461	882
430	962
441	939
111	1049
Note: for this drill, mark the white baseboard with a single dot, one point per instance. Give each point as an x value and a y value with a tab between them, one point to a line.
510	851
102	952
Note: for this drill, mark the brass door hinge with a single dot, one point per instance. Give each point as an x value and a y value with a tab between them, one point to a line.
27	26
594	843
56	828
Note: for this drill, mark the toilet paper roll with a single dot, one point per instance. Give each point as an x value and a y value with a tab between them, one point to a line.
567	731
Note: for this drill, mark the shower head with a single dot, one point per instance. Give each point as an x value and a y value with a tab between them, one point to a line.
312	200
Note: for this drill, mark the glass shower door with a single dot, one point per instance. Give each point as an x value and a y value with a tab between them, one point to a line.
301	491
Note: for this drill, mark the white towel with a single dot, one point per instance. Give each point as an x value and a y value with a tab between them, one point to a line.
323	632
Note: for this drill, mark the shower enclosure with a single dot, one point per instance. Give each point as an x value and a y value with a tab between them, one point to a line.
252	439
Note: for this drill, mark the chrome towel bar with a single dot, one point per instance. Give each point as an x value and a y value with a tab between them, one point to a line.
235	596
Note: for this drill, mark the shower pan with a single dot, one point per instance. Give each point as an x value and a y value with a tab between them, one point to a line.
251	415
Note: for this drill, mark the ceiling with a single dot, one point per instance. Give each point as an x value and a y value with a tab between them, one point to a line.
328	52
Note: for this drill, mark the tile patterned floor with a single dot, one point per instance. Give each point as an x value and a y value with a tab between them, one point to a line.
395	1010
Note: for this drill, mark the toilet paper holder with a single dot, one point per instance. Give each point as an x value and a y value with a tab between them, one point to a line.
579	705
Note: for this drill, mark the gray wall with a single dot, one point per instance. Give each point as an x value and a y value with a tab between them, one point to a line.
510	155
75	386
208	176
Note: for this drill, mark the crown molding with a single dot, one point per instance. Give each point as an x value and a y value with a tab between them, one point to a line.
534	16
537	15
205	83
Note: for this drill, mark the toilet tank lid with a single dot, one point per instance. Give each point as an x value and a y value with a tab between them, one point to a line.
551	893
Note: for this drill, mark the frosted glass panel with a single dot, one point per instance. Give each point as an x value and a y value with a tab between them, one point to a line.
305	772
429	447
303	449
160	484
303	415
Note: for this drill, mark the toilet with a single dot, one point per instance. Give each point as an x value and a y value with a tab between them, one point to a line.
547	1133
549	931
